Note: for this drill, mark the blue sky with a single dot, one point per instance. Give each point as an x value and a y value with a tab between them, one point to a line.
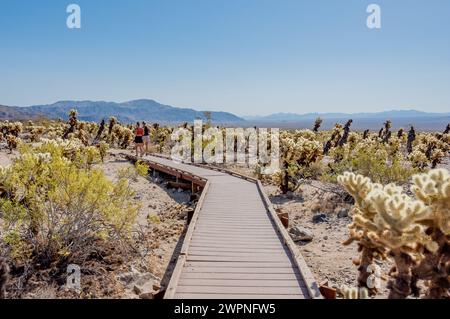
243	56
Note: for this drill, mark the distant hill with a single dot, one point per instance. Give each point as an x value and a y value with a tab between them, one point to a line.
16	113
126	112
292	117
372	121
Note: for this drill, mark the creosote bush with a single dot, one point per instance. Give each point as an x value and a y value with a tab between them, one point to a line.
55	207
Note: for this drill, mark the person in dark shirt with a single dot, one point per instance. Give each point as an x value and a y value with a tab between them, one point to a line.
146	138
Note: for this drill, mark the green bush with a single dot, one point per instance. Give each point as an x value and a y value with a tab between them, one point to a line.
54	207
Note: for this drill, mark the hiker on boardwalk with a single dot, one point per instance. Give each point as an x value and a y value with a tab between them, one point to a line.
146	138
138	140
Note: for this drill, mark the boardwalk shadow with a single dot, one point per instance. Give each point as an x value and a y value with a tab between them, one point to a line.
280	199
173	262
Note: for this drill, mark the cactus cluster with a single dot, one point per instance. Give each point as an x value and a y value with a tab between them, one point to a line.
413	231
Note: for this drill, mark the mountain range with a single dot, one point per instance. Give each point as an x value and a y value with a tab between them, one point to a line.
152	111
125	112
365	120
292	117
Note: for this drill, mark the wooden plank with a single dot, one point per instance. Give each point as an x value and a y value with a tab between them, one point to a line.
239	276
232	245
269	259
235	241
218	264
239	283
243	270
236	228
241	290
274	253
235	296
237	236
236	250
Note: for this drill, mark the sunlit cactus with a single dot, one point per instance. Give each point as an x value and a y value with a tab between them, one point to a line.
411	231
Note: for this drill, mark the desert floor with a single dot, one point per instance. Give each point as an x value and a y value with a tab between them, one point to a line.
159	232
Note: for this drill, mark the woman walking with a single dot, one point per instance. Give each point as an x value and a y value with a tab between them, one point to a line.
146	138
138	140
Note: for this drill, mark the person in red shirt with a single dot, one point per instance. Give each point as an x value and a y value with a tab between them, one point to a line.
138	140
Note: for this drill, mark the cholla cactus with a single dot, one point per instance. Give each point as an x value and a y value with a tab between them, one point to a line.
411	230
336	135
297	152
418	159
12	142
112	122
73	122
103	150
317	124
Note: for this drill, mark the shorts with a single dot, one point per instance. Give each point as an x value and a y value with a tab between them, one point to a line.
138	140
146	139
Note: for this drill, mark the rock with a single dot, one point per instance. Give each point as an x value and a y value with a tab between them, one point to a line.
319	218
143	287
138	282
299	233
343	213
147	296
325	237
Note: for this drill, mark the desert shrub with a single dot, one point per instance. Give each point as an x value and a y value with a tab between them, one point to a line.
127	173
381	162
103	150
132	173
53	209
141	168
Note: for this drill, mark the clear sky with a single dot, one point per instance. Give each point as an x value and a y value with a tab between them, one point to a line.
243	56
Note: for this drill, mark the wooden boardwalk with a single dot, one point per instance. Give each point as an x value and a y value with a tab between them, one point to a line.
235	246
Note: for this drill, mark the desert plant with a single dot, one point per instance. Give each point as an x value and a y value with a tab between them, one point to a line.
317	124
103	150
411	138
412	231
141	168
344	137
12	141
73	122
54	209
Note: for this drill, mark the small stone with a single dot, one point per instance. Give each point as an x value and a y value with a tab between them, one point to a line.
147	295
325	237
299	233
137	289
343	213
319	218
